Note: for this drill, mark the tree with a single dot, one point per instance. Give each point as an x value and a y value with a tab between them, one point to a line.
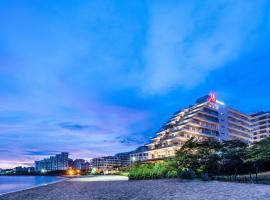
208	156
186	157
200	156
233	153
259	152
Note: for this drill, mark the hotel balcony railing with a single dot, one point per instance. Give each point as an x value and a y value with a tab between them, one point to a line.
167	137
209	111
164	146
262	123
261	118
239	134
237	131
203	131
230	125
204	118
238	116
203	125
239	123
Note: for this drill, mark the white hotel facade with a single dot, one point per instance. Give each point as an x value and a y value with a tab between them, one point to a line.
261	125
207	118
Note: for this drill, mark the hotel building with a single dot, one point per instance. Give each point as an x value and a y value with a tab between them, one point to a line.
208	118
261	125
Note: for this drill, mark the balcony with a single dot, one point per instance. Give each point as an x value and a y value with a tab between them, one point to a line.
238	123
238	116
204	132
237	131
204	125
237	134
205	119
230	125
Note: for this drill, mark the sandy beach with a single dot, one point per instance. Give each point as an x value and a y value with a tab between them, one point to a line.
117	187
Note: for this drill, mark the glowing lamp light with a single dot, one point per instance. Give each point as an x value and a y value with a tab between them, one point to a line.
70	172
220	102
212	97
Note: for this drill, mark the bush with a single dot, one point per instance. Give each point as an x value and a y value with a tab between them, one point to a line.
172	174
149	171
186	173
123	173
205	177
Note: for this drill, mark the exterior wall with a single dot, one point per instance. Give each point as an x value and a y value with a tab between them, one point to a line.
239	126
261	125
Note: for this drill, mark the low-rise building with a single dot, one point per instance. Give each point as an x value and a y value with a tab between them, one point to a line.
81	164
106	162
24	169
124	158
140	154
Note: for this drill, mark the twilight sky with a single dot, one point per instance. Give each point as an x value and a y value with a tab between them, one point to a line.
99	77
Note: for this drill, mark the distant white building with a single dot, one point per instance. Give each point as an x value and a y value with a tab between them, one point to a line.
107	162
57	162
81	164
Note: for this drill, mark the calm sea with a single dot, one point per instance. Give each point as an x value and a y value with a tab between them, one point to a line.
15	183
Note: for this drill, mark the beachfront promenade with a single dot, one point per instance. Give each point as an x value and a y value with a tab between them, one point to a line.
117	187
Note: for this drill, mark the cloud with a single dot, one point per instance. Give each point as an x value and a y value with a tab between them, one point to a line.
40	153
190	39
75	126
92	133
132	140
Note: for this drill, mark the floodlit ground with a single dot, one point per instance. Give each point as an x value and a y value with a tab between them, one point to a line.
116	187
99	178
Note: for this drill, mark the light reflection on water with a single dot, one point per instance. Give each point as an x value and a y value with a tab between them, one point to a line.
15	183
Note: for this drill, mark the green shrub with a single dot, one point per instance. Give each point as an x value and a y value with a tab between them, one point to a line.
186	173
199	172
172	174
148	171
205	177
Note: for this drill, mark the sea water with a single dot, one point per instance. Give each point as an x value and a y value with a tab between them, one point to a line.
17	183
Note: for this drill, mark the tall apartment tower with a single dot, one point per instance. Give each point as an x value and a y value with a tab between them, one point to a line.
261	125
208	118
57	162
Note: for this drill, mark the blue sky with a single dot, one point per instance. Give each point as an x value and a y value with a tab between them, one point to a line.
99	77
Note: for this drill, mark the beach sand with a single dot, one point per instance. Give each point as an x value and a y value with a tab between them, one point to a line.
117	187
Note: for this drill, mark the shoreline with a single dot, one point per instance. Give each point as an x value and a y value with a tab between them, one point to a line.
116	188
32	187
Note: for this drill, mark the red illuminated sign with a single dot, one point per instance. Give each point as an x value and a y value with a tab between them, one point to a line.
212	97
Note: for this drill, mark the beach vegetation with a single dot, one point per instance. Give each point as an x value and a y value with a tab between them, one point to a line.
207	159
